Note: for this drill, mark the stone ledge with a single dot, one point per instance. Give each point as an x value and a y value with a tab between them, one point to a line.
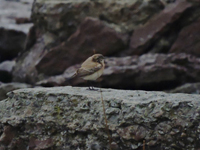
72	118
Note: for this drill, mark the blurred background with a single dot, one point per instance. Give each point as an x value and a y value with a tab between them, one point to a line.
149	45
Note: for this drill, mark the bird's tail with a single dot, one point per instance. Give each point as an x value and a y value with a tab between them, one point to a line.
73	76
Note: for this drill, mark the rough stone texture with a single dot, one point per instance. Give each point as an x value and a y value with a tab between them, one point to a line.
188	40
67	15
149	72
7	87
6	68
72	118
190	88
144	37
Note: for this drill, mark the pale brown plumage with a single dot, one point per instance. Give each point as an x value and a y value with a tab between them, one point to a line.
92	68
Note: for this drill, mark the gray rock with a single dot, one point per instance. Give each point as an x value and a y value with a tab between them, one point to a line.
11	10
189	88
6	68
146	72
7	87
60	32
12	29
72	118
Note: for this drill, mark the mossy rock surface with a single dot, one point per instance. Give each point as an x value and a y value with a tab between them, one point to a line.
72	118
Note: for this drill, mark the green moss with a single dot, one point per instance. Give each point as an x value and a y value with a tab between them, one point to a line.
58	111
75	102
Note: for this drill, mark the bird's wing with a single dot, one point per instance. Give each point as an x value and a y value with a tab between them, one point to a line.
81	72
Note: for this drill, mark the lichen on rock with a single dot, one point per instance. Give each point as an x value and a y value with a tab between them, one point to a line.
72	118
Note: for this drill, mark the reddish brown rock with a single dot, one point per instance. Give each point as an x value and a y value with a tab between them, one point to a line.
62	38
153	72
147	72
188	40
91	35
7	135
59	22
40	144
143	37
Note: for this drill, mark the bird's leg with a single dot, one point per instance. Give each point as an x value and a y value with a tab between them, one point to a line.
94	88
91	87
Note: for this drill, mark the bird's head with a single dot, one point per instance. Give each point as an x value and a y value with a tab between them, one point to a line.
98	58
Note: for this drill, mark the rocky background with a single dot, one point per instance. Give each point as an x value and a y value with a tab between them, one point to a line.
149	45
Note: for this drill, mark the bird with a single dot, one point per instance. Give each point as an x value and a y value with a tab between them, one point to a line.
91	69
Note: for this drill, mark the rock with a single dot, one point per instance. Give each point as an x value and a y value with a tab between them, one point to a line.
66	53
6	68
190	88
63	30
65	16
24	70
188	40
151	71
146	72
8	135
195	1
7	87
91	35
61	79
12	34
11	10
58	26
146	37
23	20
73	118
11	43
31	39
